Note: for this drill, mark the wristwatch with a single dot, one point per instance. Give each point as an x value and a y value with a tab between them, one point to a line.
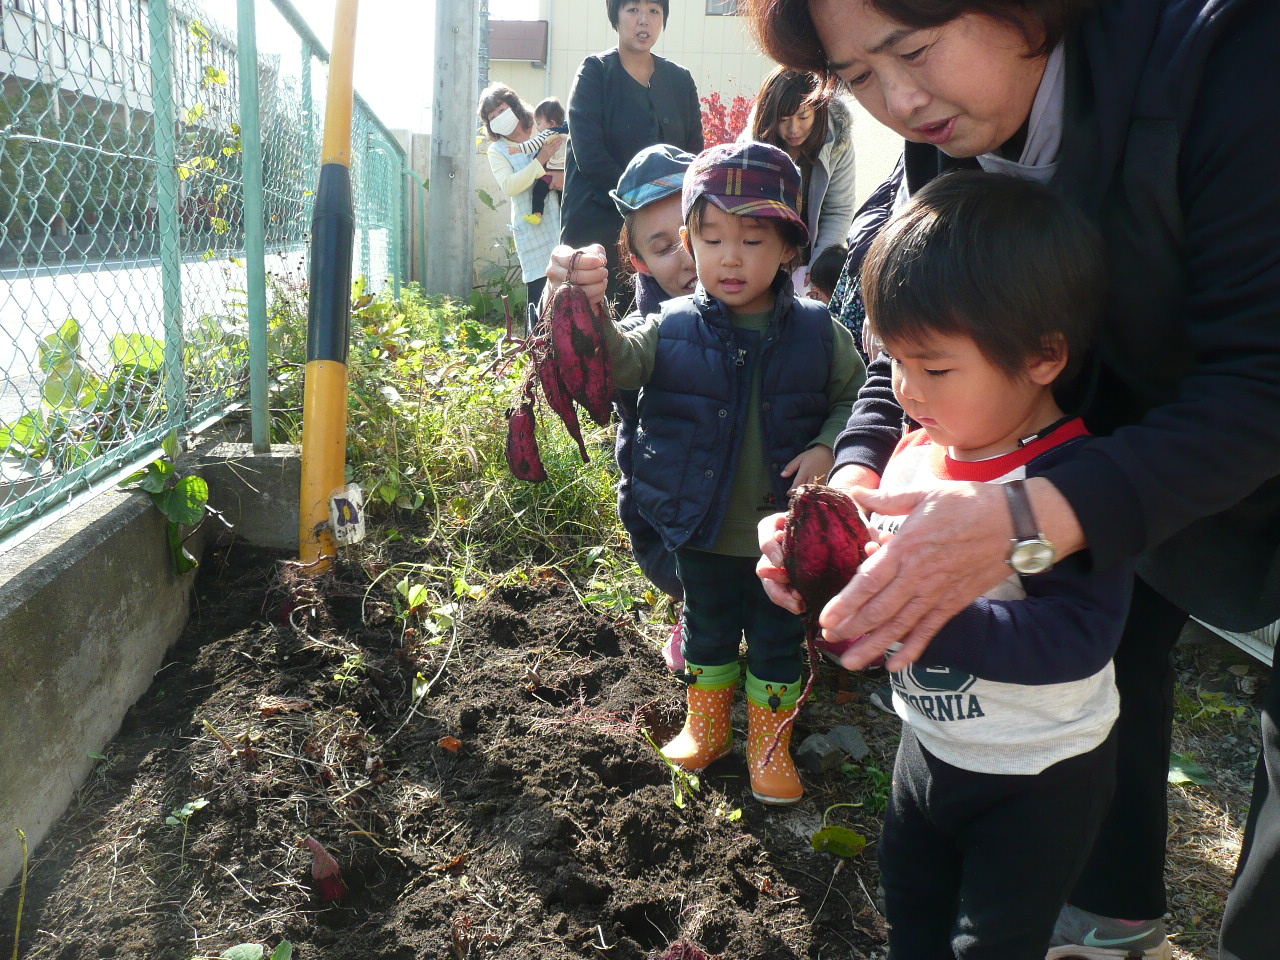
1031	552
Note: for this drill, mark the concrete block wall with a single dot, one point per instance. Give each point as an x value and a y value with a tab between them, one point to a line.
88	609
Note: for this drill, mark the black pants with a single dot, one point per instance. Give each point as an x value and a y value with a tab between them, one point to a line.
1250	924
538	199
723	600
1125	874
977	865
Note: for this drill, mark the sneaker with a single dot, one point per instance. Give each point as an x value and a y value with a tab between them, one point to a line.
671	649
534	218
882	699
1081	935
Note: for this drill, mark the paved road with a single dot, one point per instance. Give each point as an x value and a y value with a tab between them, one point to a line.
106	298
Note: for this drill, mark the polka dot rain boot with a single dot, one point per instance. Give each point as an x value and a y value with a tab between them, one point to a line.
769	705
707	735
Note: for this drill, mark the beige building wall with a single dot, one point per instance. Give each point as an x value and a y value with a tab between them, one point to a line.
718	51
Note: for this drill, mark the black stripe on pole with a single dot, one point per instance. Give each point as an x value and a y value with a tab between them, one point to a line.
332	239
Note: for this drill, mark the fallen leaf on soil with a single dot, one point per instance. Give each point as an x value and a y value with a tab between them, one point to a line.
269	706
452	744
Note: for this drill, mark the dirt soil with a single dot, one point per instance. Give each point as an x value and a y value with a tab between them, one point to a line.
492	794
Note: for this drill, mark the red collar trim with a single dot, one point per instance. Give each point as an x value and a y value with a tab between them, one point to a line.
985	471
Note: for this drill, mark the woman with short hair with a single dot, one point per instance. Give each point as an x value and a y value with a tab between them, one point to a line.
622	101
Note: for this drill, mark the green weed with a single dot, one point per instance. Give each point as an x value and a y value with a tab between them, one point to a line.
181	817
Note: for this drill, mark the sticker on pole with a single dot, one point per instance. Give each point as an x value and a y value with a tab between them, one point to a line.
346	514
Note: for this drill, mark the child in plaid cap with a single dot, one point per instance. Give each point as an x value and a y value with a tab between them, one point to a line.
743	389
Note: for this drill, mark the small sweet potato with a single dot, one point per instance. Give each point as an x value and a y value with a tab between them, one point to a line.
522	444
823	544
558	399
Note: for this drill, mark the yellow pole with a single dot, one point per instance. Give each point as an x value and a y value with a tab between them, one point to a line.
324	407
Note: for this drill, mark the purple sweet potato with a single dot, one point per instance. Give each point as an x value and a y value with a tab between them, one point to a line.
522	444
823	544
558	399
579	350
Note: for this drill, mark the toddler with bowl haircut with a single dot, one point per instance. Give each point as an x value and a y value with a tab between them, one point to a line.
743	388
984	291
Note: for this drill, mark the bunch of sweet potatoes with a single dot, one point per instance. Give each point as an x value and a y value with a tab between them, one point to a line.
570	364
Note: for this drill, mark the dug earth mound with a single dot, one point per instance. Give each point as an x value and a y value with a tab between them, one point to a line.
485	781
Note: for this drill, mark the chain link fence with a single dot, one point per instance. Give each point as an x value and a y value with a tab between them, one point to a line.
123	310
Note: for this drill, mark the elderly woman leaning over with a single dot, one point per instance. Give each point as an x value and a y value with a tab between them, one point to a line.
1133	110
509	122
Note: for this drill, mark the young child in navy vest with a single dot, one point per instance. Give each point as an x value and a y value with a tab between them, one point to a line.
984	292
744	387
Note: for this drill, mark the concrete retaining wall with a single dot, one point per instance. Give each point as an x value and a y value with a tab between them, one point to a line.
88	608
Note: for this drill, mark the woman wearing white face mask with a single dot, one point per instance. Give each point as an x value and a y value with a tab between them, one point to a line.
508	121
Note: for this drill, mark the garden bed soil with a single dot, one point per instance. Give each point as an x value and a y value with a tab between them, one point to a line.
491	792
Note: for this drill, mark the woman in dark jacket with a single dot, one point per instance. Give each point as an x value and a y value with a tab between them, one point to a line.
1156	117
622	101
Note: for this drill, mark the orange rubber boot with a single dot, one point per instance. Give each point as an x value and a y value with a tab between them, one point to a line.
707	735
769	705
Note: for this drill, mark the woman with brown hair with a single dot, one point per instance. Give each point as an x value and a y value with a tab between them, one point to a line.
1154	117
816	131
508	121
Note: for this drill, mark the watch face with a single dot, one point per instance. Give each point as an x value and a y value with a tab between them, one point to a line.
1032	556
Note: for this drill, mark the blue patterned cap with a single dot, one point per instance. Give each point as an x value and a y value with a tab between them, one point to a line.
746	180
653	173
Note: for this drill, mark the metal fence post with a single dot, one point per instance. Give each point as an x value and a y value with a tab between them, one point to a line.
254	223
162	96
422	226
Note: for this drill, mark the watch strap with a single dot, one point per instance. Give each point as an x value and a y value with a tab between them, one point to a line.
1024	521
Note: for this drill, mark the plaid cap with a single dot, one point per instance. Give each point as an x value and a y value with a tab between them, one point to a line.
653	173
747	180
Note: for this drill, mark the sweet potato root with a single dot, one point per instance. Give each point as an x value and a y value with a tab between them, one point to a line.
579	351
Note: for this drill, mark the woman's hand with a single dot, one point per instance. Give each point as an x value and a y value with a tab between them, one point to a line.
951	549
548	149
589	271
557	179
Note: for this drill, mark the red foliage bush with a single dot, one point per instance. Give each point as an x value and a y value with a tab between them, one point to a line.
722	122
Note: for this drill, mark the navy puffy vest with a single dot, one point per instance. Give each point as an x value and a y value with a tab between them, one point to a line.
694	406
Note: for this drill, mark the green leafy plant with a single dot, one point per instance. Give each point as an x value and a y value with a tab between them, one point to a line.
183	500
683	783
877	784
1183	768
181	817
256	951
352	669
842	841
